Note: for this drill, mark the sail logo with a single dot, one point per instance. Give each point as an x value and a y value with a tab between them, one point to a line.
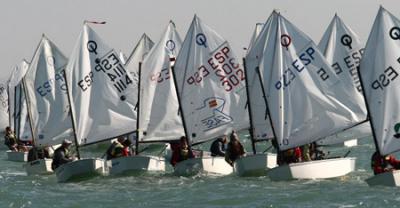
394	33
213	112
397	129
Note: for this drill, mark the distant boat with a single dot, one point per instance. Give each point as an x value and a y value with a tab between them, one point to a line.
47	102
343	51
158	118
379	72
260	125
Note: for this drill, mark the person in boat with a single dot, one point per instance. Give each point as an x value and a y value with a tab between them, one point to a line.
315	152
305	152
36	153
117	149
293	155
234	150
62	155
218	147
127	148
180	151
10	140
386	163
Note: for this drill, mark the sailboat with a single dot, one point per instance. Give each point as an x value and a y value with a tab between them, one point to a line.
305	99
48	106
211	92
379	72
16	100
4	116
102	99
138	54
343	50
158	119
260	127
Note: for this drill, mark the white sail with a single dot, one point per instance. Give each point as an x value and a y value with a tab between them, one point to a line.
24	131
159	119
262	128
138	54
14	91
4	117
343	50
47	95
307	100
379	70
257	31
211	84
102	93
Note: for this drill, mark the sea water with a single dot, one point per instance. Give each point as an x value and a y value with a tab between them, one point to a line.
166	190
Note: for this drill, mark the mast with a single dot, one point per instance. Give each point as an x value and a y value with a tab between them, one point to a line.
8	100
368	114
29	111
72	116
15	106
266	106
180	107
138	110
251	130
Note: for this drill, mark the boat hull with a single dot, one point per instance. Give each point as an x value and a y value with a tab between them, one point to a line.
254	165
317	169
79	170
207	165
385	179
17	156
136	164
39	167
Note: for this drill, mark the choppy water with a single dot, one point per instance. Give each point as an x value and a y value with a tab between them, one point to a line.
165	190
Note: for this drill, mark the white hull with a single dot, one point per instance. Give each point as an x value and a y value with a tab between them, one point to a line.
385	179
317	169
80	170
17	156
39	167
135	164
254	165
208	165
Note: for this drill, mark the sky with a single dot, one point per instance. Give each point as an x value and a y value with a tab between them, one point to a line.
24	21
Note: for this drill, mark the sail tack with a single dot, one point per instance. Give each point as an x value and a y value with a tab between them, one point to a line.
102	93
306	99
211	84
379	70
159	106
47	95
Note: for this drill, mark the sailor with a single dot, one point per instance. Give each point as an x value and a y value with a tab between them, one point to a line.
381	164
36	153
180	151
116	149
234	150
218	147
62	155
10	140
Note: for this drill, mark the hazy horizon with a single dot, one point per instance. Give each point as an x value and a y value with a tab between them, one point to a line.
24	21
